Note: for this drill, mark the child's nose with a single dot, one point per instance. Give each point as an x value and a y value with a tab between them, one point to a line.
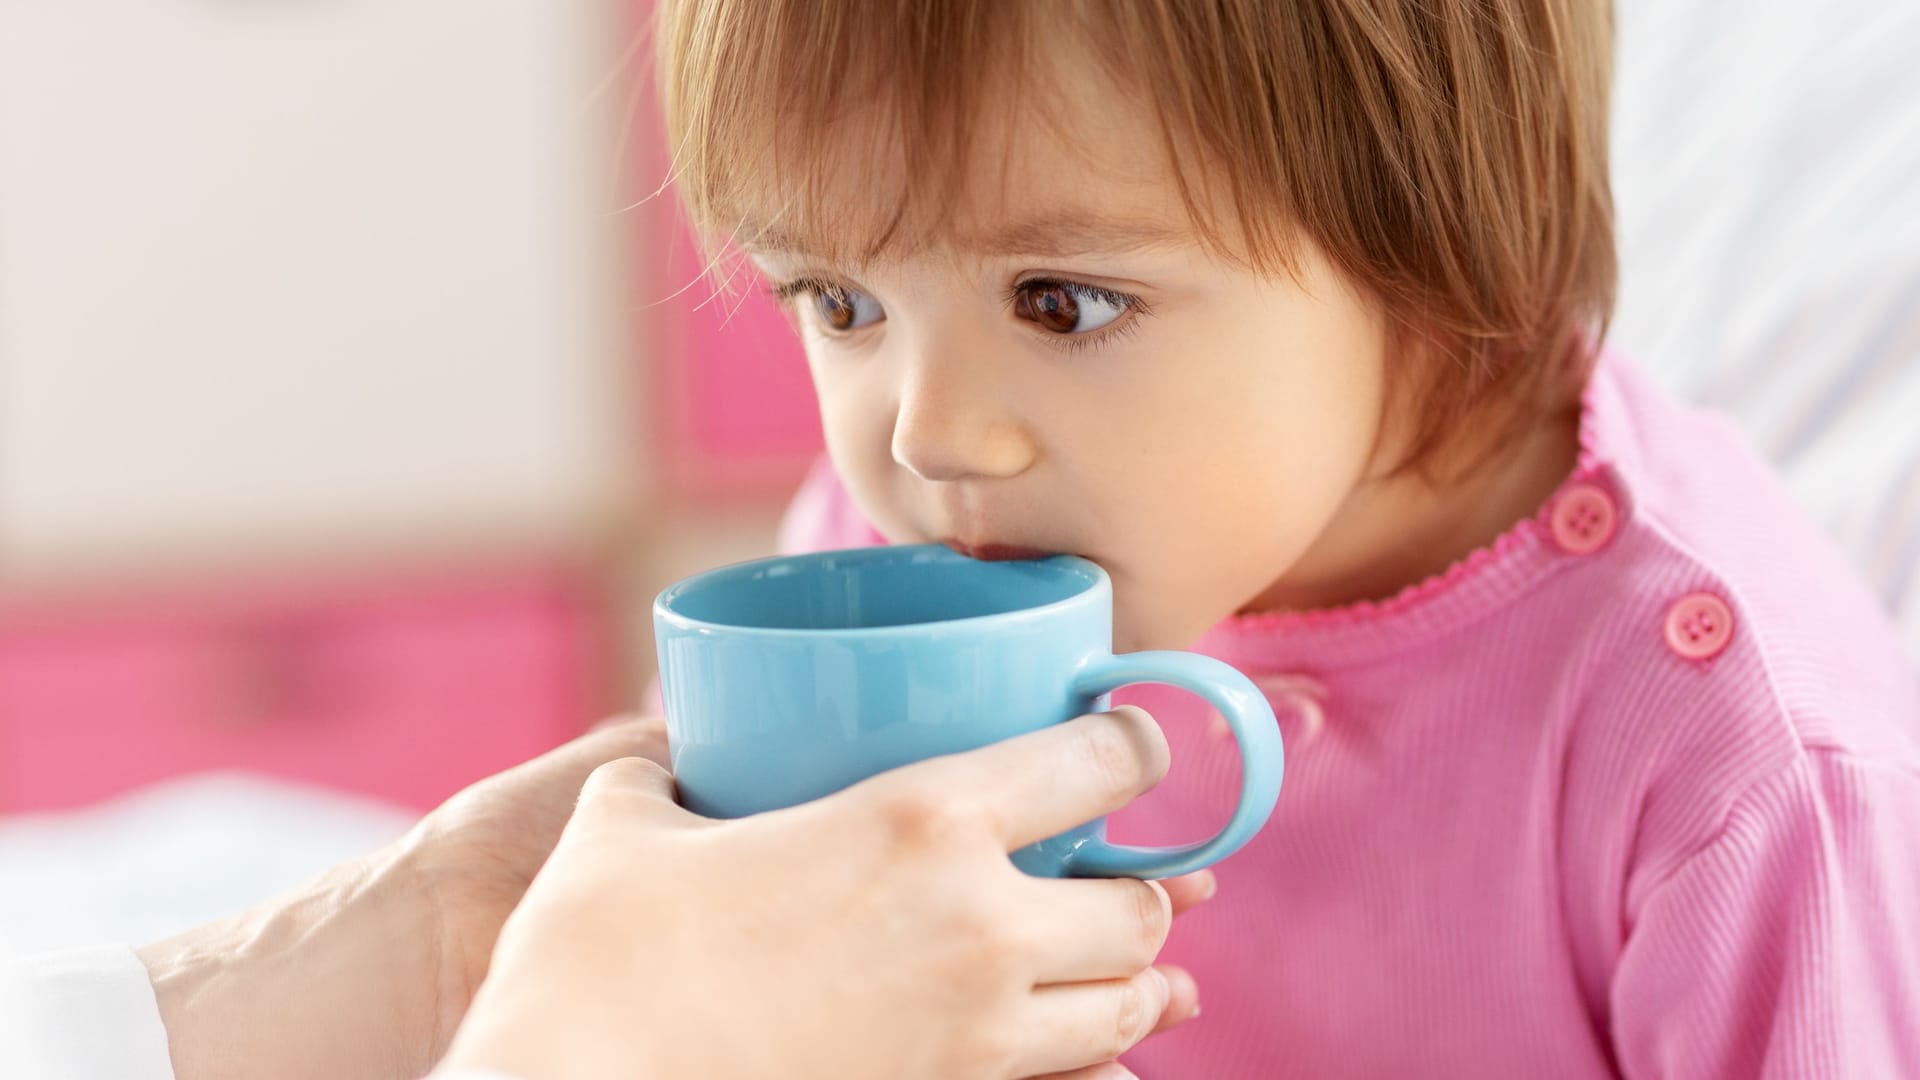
951	426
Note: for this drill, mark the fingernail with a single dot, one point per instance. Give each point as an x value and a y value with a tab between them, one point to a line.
1213	885
1116	1071
1166	988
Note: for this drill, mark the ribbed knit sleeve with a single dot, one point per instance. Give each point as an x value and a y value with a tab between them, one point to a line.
1787	945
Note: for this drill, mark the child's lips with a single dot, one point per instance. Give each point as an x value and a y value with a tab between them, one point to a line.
990	552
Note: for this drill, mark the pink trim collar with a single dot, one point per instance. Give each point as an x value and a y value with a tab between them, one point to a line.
1501	561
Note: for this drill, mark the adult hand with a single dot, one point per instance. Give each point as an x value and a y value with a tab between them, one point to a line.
367	971
880	932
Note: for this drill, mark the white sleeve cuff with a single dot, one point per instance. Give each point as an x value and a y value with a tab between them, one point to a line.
81	1014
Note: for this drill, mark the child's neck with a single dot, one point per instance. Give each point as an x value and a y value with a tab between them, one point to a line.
1397	532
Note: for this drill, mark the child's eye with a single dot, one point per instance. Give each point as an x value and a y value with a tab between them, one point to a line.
847	309
1067	307
838	308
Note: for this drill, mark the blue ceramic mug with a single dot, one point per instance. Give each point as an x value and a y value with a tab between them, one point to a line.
788	679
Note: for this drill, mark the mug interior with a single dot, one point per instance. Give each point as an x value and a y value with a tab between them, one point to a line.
874	588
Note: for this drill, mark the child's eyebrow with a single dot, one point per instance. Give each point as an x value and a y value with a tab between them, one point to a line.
1059	234
1074	232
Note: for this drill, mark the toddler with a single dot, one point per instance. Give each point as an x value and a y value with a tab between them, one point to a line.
1292	317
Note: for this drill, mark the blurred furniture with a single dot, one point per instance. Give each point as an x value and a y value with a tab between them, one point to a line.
322	449
406	690
730	423
735	420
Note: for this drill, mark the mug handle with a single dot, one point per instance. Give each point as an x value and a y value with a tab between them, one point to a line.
1262	760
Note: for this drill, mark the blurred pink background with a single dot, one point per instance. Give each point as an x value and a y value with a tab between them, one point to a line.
355	398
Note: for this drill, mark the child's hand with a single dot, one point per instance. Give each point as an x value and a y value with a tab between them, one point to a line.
881	932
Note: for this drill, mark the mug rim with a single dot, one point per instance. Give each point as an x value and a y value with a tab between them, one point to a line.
1098	586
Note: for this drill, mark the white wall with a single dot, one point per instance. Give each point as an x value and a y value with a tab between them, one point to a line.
307	275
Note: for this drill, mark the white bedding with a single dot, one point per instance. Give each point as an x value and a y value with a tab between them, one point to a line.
176	854
1767	172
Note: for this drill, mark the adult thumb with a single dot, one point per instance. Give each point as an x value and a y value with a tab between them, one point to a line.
629	786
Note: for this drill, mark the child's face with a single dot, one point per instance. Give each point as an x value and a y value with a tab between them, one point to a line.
1043	379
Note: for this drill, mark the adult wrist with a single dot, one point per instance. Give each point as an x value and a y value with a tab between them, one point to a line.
309	983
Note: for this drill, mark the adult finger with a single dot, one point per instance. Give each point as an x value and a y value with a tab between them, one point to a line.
1183	1004
1043	783
566	767
539	795
1111	1070
629	788
1093	928
1074	1025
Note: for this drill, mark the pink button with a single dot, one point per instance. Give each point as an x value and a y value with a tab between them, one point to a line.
1584	519
1699	626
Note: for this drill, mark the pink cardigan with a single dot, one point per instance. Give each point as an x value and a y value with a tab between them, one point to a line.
1634	791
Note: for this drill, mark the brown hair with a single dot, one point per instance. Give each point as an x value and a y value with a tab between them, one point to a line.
1449	156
